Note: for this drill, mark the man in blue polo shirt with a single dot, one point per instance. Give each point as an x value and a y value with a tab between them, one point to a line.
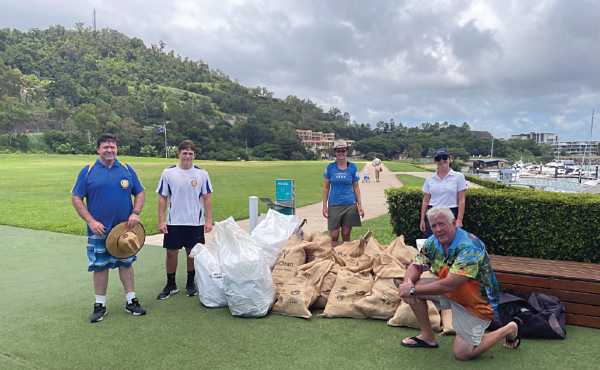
107	186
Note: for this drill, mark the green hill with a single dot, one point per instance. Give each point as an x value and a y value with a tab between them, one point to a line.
70	85
75	84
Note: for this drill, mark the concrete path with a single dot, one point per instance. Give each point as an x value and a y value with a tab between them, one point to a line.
373	200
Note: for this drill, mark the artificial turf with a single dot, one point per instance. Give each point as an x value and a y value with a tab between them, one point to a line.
47	297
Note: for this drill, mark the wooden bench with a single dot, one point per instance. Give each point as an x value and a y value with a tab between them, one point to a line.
576	284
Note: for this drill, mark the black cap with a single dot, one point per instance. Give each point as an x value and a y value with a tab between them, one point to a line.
440	152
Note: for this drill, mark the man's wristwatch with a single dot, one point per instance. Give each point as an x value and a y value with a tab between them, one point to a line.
412	291
137	213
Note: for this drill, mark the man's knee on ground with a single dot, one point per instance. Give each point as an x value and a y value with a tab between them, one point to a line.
463	351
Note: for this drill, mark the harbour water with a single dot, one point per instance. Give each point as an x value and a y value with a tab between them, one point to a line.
546	183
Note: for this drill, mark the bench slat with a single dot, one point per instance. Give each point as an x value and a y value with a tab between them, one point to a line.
563	295
582	309
583	320
547	268
548	282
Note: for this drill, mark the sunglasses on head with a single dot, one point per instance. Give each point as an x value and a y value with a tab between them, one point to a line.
340	150
442	157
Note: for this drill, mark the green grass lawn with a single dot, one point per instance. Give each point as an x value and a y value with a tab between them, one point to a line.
396	166
411	181
36	188
47	297
380	226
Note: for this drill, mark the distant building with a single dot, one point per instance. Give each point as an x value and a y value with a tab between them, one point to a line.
577	148
538	137
316	140
319	142
482	134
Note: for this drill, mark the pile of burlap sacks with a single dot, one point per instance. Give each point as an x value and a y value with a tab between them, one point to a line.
356	280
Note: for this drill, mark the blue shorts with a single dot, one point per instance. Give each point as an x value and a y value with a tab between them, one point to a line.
98	257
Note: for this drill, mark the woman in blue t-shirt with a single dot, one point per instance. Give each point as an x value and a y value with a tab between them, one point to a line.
341	195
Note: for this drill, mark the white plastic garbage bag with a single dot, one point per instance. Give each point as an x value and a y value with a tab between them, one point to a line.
209	277
247	277
272	233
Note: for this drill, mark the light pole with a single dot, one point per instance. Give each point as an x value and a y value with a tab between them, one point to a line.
165	132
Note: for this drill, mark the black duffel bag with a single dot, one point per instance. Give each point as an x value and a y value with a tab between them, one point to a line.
543	315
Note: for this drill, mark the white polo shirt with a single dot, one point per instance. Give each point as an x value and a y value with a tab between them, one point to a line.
444	192
185	189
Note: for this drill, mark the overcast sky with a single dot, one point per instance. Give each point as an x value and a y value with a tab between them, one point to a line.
503	66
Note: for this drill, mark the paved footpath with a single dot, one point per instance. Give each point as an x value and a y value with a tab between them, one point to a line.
373	199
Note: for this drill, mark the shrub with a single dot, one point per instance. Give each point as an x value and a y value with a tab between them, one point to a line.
516	223
65	148
148	151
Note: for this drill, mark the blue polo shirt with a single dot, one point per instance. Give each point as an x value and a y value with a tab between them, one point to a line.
107	191
341	191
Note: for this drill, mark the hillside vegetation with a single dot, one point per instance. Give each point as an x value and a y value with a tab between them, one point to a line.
70	85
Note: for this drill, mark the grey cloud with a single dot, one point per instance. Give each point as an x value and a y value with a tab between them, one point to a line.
515	66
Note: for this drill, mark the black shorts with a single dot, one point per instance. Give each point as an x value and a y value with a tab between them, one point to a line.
179	236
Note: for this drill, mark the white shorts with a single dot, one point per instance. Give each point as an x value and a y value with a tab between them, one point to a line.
468	326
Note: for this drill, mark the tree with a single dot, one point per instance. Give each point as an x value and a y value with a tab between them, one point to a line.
415	150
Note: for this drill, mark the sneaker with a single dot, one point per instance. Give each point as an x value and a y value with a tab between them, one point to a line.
167	291
135	308
98	313
191	290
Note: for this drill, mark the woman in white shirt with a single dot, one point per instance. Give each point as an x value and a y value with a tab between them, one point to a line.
445	188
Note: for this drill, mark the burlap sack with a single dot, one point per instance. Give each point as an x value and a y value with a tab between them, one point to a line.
373	248
326	286
296	295
447	328
291	257
319	248
349	287
316	270
382	302
351	256
404	253
387	266
404	316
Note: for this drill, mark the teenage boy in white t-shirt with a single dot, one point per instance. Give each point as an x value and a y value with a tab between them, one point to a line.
187	190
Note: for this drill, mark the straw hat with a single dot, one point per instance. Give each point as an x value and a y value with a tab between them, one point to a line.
340	144
122	242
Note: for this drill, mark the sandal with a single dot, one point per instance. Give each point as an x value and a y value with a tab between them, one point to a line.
418	343
515	342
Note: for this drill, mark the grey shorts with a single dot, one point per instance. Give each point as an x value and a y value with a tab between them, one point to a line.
343	216
468	326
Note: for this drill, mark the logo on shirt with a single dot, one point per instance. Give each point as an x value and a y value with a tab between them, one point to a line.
124	184
194	183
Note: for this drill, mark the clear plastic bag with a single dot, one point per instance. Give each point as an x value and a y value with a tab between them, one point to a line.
247	276
273	232
209	277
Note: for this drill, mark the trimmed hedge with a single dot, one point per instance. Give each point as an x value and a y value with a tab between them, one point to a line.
516	223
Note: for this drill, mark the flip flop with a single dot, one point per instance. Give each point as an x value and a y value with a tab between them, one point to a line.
418	343
515	342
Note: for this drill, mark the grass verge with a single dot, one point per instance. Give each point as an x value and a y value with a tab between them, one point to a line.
396	166
36	188
411	181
